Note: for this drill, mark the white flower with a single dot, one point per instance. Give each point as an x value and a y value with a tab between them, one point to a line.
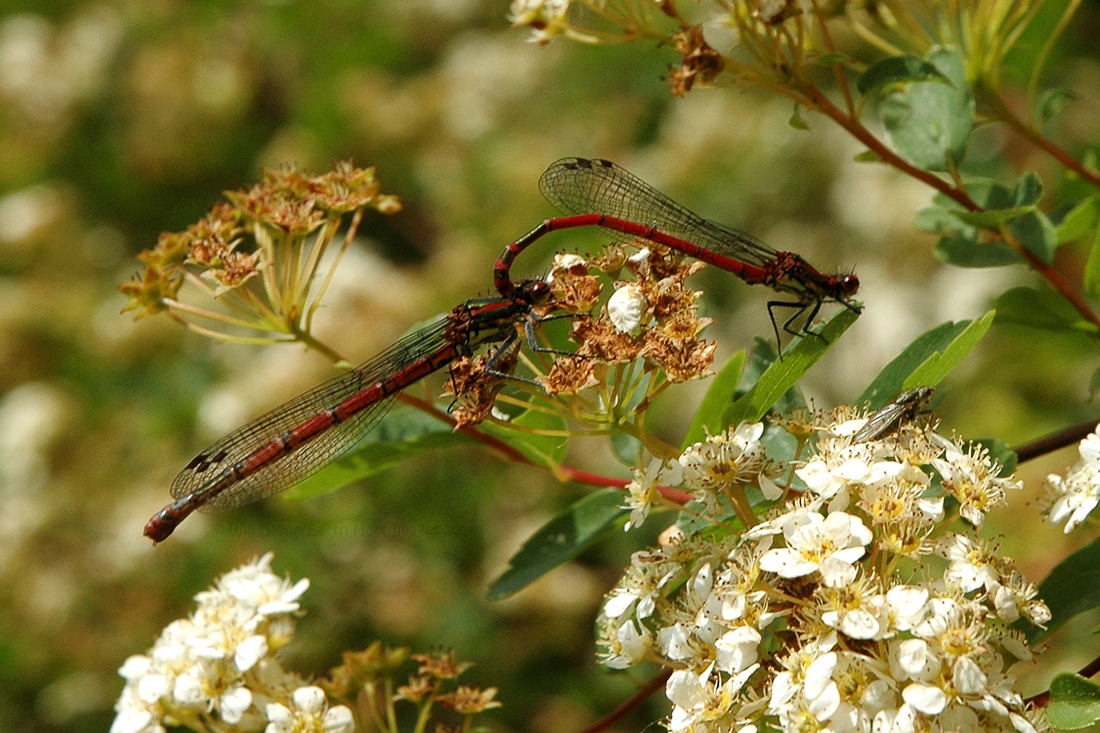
736	650
548	18
626	306
629	648
927	699
249	652
826	544
913	659
723	461
819	689
234	703
338	720
971	566
1074	497
136	721
240	619
643	490
308	713
970	476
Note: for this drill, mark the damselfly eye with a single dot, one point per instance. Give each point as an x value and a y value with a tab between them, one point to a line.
538	291
849	284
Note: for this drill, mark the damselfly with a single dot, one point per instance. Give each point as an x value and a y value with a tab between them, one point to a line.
599	193
292	441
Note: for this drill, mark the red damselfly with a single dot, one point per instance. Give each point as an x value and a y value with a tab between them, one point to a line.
284	446
890	418
599	193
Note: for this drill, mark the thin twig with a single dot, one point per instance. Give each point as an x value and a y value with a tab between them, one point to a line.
1055	441
637	699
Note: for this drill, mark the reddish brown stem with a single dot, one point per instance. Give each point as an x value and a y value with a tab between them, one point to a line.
1053	277
635	700
565	473
595	479
1055	441
1035	138
815	99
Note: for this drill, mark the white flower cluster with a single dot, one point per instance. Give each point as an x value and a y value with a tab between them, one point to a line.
215	670
836	614
707	469
547	18
1074	497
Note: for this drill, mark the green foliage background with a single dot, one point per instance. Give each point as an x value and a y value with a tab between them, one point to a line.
122	119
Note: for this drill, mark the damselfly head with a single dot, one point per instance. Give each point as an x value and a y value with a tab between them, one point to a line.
847	284
535	292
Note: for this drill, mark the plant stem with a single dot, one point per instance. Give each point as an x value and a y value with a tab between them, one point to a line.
634	701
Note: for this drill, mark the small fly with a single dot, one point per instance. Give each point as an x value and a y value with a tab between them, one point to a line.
890	418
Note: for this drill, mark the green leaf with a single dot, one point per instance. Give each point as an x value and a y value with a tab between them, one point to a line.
960	229
898	70
796	121
890	380
867	156
542	450
560	540
993	218
1092	268
800	355
627	448
1074	702
939	365
1002	453
969	252
1078	221
1028	190
1043	309
1073	587
1094	385
1036	232
929	122
942	219
1051	103
719	396
401	435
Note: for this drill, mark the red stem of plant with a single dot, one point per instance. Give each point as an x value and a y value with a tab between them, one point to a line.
564	473
815	99
1055	441
635	700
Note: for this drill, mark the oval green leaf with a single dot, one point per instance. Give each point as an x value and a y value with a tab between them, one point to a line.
560	540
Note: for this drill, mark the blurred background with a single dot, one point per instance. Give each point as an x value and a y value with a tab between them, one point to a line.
119	120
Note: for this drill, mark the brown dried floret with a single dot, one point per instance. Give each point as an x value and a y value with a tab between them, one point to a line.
571	374
600	338
475	385
442	664
236	269
147	294
698	61
419	687
669	298
571	284
470	700
612	259
373	663
298	203
681	359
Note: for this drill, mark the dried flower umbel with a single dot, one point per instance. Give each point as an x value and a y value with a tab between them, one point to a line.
643	338
262	256
830	614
